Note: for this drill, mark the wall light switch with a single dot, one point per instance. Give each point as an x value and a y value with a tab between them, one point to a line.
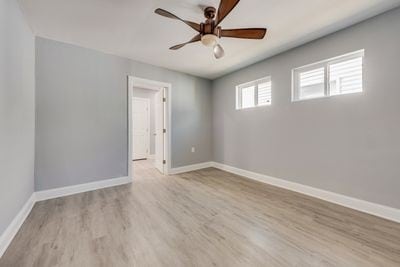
193	149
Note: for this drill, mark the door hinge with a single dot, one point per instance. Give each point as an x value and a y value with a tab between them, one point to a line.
164	99
164	130
164	161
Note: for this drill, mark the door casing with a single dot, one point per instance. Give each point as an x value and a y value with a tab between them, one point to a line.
152	85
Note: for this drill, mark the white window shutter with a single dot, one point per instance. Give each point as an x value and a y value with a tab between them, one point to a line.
346	77
312	83
264	93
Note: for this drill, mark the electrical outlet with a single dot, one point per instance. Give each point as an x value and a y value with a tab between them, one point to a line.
193	149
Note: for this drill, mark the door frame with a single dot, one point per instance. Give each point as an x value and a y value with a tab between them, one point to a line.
148	125
134	81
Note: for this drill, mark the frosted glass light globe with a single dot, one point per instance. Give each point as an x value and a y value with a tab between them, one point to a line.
218	51
209	40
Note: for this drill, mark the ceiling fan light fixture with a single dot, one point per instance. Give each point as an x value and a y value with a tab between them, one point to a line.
218	51
209	40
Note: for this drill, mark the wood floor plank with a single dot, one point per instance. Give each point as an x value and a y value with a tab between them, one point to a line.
202	218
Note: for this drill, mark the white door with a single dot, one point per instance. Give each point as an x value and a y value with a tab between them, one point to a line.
159	118
141	125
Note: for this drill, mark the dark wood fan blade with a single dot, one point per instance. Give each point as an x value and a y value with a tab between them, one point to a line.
225	7
252	33
194	39
167	14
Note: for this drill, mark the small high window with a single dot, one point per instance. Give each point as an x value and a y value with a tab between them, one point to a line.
337	76
254	94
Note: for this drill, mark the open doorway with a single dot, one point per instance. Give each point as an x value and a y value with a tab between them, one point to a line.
148	115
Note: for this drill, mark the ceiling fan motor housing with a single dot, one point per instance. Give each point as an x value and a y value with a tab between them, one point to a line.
209	12
209	26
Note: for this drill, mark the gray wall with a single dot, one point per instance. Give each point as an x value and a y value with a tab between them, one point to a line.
346	144
81	116
17	112
149	94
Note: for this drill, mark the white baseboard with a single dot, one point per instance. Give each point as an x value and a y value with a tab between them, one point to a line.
346	201
9	234
80	188
190	168
353	203
151	156
379	210
15	225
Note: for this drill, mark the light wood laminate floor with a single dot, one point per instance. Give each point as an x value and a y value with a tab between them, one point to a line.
202	218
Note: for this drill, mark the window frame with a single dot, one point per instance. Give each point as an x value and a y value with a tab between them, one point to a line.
326	65
255	83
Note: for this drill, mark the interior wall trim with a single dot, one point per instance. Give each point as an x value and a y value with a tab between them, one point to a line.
382	211
80	188
379	210
11	231
375	209
193	167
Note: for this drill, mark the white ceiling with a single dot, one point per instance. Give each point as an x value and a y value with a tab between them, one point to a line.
129	28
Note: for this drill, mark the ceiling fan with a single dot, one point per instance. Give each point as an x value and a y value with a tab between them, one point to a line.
209	31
